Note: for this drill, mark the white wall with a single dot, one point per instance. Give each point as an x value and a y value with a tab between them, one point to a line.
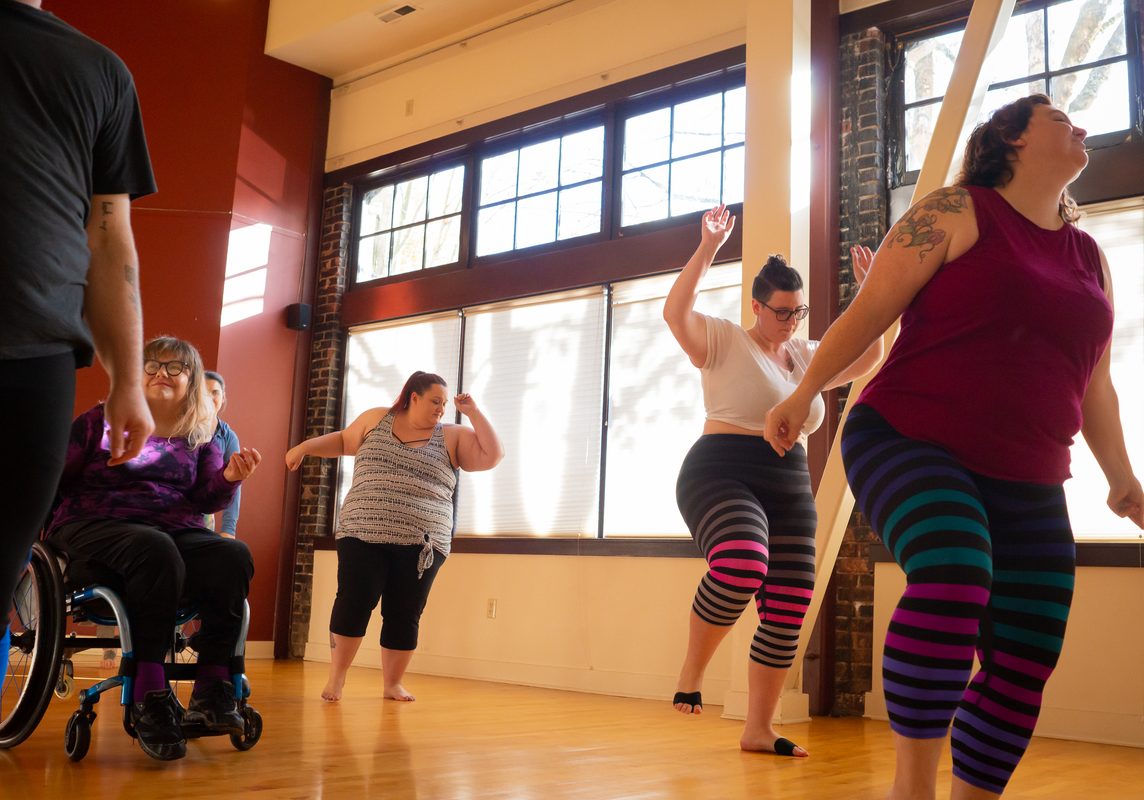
552	56
1096	693
597	624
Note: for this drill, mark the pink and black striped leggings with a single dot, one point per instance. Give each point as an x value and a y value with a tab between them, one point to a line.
752	515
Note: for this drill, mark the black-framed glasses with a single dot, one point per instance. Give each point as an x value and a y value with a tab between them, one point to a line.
172	368
784	314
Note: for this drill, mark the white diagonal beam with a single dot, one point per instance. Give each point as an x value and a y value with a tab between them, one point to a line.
962	103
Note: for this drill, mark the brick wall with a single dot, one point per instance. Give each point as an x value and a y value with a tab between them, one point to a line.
863	211
323	405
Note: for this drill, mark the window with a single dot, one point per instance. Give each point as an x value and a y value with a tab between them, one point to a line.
546	192
683	158
655	402
410	225
1075	51
537	367
567	175
379	359
1119	228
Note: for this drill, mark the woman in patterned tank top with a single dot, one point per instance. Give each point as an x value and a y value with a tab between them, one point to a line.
396	525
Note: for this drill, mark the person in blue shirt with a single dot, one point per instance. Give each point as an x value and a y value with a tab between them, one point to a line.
227	441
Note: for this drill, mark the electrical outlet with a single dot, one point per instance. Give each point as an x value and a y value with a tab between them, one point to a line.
491	608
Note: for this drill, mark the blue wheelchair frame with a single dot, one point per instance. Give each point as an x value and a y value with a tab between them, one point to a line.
78	733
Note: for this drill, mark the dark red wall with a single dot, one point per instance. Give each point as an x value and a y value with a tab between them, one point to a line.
237	139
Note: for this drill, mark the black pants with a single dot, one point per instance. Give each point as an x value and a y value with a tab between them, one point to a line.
368	571
158	571
36	400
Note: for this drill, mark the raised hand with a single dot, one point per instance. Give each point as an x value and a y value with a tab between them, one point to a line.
465	404
716	226
242	465
861	258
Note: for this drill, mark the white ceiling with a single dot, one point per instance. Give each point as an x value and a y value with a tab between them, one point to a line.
344	39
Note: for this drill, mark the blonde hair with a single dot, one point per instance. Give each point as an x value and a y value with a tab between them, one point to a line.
198	420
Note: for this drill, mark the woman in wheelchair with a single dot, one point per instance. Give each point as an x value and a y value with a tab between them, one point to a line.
143	522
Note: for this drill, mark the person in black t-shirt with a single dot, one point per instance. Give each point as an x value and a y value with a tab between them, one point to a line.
74	156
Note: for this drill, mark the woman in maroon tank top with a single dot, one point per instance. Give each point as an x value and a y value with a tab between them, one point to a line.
958	448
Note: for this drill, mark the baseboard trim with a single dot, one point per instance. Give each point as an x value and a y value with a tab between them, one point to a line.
576	679
1068	724
259	649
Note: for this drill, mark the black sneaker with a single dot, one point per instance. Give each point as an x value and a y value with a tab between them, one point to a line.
157	726
213	706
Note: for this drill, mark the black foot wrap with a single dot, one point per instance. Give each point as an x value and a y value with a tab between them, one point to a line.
784	747
693	699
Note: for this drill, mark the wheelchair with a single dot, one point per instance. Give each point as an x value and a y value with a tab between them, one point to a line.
41	650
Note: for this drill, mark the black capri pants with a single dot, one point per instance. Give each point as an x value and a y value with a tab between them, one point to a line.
368	571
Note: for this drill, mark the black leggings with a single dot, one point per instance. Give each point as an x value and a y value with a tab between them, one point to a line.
158	570
368	571
36	400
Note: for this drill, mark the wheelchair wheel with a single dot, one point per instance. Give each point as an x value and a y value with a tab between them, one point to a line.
65	687
65	682
252	730
36	624
185	655
77	736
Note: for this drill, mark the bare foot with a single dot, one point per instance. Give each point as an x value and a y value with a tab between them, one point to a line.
764	742
398	692
333	691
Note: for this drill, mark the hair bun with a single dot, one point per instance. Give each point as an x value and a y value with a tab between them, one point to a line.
776	260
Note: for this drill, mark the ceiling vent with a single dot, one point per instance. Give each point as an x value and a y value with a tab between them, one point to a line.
395	13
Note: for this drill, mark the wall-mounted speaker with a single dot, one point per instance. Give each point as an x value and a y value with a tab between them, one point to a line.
298	316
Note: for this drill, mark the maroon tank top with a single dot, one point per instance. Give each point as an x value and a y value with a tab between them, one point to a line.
996	350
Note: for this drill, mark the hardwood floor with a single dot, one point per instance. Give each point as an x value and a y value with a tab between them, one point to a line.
465	739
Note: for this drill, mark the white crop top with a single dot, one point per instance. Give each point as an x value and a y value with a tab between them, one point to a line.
741	384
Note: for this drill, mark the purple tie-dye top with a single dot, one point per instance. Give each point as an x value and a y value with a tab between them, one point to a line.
168	484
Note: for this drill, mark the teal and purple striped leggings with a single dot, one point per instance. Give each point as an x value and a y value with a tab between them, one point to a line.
990	567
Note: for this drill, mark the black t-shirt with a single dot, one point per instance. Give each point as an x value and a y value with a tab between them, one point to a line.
69	128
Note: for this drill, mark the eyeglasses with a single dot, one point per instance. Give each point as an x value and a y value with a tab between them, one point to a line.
784	314
172	368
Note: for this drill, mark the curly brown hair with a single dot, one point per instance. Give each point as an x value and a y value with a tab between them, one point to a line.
990	152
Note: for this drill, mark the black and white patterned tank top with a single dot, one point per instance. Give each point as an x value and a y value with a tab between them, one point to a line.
401	494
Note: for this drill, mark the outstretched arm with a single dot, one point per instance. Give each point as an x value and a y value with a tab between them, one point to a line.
686	324
339	443
112	308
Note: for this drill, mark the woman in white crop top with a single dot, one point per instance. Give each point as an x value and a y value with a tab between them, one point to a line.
750	512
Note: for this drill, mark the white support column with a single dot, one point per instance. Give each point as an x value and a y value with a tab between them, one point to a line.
967	85
776	218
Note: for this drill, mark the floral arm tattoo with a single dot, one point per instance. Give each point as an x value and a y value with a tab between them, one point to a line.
919	227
